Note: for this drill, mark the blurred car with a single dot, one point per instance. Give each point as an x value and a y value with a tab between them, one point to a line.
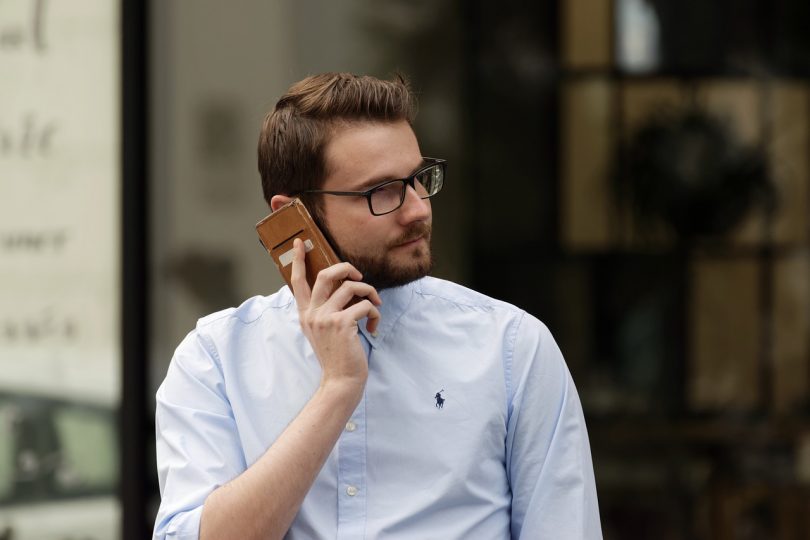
58	469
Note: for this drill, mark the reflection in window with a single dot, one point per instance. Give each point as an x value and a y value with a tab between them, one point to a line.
637	36
88	450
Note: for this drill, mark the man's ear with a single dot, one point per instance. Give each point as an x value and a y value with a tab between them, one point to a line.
277	201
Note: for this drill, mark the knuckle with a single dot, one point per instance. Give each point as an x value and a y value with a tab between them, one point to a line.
326	273
343	320
323	323
352	286
362	289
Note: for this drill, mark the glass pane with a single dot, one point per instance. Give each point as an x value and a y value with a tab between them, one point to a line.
88	450
60	183
637	36
790	161
726	335
6	451
586	34
791	290
588	216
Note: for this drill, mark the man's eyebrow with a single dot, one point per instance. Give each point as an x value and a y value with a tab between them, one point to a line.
374	182
377	180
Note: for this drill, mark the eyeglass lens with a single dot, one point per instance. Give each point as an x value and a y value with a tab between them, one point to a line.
389	197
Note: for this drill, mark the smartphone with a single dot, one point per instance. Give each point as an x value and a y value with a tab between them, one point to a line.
278	231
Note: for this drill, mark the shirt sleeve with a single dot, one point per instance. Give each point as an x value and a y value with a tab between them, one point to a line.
548	455
197	440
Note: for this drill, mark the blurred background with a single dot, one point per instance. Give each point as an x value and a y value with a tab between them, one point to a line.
635	173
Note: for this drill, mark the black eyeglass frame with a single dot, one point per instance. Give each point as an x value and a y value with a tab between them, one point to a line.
408	181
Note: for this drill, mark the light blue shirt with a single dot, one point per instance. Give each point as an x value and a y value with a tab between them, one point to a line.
500	452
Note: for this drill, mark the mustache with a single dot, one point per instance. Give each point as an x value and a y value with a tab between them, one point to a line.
417	230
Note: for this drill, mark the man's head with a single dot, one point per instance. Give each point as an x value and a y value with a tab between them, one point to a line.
295	133
341	132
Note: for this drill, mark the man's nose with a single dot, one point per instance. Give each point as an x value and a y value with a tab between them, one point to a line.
414	207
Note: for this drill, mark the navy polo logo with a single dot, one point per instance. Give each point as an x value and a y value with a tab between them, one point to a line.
439	399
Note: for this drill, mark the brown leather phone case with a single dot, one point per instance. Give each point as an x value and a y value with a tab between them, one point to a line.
277	232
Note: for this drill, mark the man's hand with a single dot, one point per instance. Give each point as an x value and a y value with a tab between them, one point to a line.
331	326
263	501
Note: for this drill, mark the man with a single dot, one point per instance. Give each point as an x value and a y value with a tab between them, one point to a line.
425	410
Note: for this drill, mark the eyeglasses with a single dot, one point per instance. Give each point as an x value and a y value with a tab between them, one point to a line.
383	199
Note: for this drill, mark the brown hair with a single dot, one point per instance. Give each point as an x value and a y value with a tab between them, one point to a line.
295	133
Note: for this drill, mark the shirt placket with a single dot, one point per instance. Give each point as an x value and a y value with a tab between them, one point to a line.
352	471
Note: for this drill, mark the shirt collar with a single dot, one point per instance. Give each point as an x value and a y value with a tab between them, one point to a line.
394	303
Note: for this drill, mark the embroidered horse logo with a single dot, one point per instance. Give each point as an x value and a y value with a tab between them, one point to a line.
439	399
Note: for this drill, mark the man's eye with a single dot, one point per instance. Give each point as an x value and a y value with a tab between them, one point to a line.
387	189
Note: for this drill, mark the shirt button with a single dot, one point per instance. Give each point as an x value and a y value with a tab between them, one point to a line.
351	491
350	426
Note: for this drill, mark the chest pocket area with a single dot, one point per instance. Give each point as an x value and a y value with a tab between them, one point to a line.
435	430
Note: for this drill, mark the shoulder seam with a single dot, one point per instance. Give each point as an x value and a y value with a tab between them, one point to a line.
483	302
233	313
456	302
507	364
262	312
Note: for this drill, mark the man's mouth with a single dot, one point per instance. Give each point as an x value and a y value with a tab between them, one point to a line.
410	242
416	234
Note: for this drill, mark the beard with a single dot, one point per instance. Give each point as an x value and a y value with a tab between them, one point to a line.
377	268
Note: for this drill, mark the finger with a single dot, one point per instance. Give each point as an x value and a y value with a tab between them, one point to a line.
298	277
371	324
328	278
364	309
347	291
